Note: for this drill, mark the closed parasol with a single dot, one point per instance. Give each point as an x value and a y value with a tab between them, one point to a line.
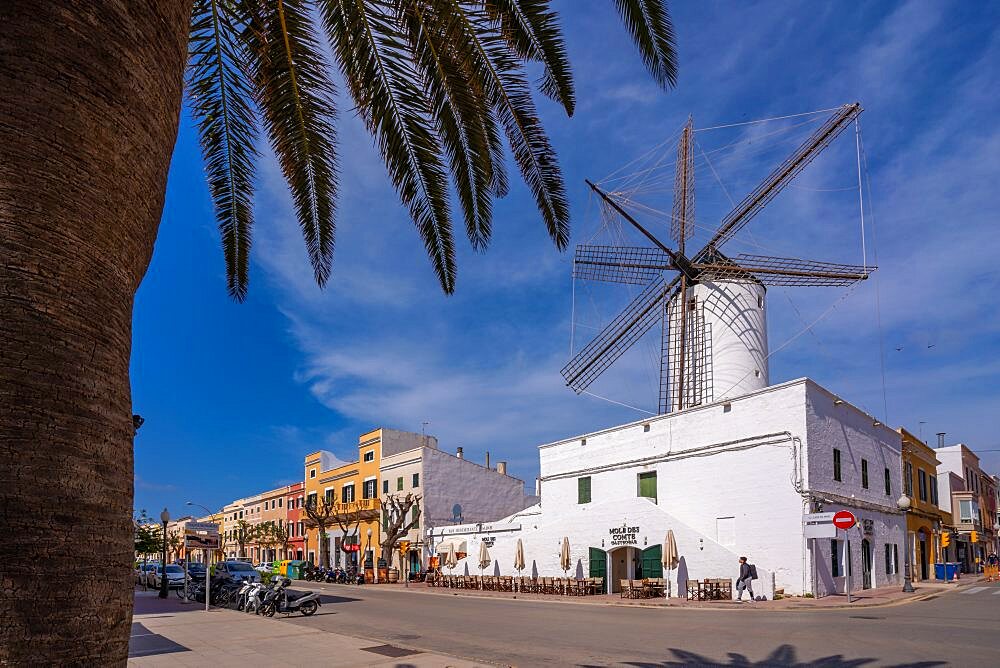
669	555
519	556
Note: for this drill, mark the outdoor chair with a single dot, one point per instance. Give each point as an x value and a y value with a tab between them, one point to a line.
527	585
598	586
626	588
506	583
547	586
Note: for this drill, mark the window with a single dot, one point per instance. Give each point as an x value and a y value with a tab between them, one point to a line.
888	483
965	510
347	493
399	484
241	514
385	486
864	474
583	490
908	479
416	480
416	517
281	503
368	491
836	464
890	566
835	557
895	558
922	484
302	527
312	473
311	499
647	485
328	496
370	456
934	490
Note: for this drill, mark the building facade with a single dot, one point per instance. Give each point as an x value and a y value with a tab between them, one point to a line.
966	503
451	489
294	500
731	478
926	520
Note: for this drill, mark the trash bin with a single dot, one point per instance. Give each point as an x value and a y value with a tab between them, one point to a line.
281	567
295	568
952	570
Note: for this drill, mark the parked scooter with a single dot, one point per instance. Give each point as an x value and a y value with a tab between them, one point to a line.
254	597
281	599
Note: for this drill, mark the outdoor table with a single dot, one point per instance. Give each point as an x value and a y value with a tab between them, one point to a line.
651	590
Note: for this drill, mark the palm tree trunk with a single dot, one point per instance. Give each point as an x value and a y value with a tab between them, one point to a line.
91	93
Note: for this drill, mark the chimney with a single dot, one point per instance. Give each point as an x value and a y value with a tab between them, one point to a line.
487	459
502	468
940	436
460	454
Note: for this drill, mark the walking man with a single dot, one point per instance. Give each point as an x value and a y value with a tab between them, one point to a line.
745	580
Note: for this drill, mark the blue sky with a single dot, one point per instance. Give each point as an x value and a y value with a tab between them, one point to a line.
235	394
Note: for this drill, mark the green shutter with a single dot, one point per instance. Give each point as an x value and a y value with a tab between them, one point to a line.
652	562
583	490
647	485
598	563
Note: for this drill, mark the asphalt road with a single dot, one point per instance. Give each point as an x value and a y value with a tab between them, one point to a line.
955	628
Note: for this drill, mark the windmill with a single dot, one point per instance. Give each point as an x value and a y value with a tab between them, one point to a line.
712	311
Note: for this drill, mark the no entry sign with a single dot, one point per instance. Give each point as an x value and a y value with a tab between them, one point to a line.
844	519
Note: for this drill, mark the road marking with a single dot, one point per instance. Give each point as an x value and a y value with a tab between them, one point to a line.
997	592
975	590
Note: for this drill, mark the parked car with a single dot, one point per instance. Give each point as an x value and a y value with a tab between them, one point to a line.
175	576
238	570
142	572
196	571
264	567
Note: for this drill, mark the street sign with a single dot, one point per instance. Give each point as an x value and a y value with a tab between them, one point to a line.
844	519
202	527
201	535
818	518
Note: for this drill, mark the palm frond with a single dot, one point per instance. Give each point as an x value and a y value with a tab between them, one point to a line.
532	30
374	57
295	94
653	33
223	111
496	70
457	110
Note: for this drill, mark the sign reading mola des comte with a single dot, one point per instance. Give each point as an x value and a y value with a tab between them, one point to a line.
624	535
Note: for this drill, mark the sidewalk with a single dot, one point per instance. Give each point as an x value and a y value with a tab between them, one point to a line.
166	632
882	596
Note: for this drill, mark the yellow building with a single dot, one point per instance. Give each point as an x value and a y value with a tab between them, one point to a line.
925	520
350	491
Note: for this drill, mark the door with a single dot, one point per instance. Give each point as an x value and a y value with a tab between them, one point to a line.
598	561
652	562
866	564
924	556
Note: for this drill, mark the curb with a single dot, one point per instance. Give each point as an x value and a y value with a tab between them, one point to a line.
661	606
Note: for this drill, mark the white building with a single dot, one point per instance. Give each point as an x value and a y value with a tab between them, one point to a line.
730	478
451	489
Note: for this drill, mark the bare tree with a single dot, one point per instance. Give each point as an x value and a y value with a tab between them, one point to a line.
175	541
281	538
320	514
266	538
396	510
244	533
348	517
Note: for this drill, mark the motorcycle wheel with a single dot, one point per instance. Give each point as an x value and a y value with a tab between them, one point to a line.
268	611
308	608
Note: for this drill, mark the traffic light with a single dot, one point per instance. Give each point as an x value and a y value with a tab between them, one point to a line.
974	536
945	539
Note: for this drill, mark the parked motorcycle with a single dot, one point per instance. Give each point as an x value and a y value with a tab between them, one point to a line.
281	599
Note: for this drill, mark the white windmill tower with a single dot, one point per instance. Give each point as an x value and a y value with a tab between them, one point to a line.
713	309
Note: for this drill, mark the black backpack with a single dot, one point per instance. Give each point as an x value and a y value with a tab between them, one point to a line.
753	571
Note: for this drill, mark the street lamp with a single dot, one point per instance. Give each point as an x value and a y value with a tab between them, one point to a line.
904	505
164	517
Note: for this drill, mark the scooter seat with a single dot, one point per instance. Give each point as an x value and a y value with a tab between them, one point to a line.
294	595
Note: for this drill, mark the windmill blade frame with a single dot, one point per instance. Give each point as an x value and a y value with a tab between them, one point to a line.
637	318
783	174
783	271
631	265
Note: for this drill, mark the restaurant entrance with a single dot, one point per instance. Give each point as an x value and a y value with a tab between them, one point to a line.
624	565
